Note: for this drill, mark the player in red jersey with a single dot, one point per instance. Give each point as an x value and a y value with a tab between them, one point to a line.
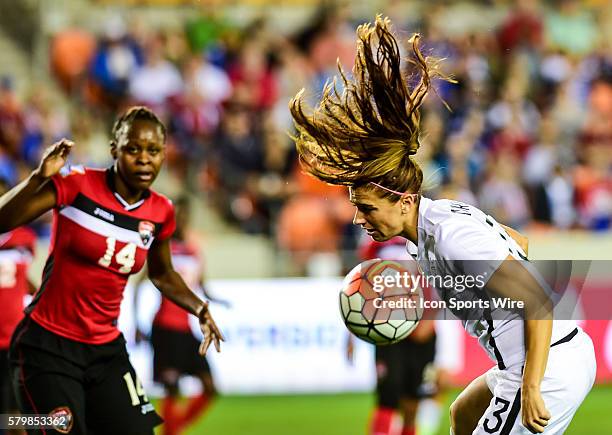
16	250
67	357
174	345
401	368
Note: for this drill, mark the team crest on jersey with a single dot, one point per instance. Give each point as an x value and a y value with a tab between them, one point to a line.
62	419
146	229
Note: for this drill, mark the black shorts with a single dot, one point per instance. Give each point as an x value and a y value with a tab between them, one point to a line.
177	351
401	371
95	385
7	398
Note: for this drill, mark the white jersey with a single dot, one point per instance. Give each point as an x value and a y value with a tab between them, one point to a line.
451	235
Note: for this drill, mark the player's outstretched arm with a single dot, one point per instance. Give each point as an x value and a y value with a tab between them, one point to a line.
36	194
512	279
172	286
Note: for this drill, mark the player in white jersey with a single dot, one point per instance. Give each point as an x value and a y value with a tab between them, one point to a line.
364	138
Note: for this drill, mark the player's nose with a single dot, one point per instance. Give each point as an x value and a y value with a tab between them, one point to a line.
144	158
358	219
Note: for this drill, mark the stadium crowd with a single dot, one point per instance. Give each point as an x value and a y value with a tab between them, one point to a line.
528	136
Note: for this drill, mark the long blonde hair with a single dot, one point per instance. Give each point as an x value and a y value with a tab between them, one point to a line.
367	133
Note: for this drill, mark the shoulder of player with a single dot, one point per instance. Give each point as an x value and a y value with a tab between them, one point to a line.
80	171
78	176
160	200
454	226
162	205
440	213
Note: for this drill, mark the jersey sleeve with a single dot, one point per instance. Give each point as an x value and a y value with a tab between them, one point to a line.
26	238
472	249
169	224
68	184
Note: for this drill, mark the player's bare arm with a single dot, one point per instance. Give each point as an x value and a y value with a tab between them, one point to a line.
36	194
172	286
538	331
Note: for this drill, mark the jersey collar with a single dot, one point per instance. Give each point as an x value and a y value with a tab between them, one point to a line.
110	181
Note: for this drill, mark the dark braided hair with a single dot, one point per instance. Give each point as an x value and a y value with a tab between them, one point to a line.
136	113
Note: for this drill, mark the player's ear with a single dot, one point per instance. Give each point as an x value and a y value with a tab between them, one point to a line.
113	149
408	200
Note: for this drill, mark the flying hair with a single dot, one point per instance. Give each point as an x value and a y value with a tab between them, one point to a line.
366	133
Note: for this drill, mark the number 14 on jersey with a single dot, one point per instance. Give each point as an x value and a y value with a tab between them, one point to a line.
125	257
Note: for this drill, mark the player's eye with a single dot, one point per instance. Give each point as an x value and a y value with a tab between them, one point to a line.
132	150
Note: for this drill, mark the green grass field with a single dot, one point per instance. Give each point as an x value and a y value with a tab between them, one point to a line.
348	415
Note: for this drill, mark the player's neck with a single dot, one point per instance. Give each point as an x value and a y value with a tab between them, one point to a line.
410	225
129	195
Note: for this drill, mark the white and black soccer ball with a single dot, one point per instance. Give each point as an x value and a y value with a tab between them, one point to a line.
377	310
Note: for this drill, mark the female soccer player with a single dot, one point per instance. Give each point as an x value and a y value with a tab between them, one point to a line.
67	357
364	139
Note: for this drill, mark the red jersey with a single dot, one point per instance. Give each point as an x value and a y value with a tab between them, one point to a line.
16	250
98	240
187	263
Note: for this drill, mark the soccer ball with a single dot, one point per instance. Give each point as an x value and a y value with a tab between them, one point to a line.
380	302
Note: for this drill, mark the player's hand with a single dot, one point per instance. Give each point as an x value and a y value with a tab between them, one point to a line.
54	158
534	412
210	331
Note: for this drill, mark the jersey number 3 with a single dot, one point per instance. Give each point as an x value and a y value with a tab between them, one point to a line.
125	257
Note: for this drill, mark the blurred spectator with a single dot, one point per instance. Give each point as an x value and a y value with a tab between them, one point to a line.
237	157
560	196
116	58
594	188
92	145
522	29
196	113
44	123
571	28
157	80
501	195
11	126
71	53
253	75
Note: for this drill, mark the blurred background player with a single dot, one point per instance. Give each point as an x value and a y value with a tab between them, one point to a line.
67	357
16	251
404	371
174	345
